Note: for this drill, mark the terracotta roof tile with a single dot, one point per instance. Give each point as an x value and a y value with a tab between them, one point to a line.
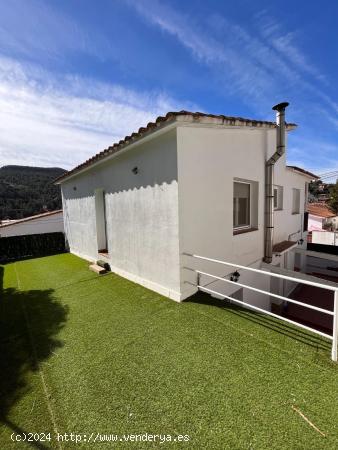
320	210
168	118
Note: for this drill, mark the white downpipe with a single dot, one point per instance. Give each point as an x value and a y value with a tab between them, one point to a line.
335	328
269	179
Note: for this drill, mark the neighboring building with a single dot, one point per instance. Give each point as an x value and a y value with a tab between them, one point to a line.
321	217
48	222
324	237
188	183
322	198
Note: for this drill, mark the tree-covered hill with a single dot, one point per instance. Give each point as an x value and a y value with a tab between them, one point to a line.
25	191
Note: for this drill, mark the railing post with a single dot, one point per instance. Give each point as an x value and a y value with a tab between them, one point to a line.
331	287
335	327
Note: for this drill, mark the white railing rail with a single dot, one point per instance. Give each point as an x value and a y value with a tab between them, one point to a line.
329	286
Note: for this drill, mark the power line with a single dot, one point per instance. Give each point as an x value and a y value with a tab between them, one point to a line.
332	173
334	178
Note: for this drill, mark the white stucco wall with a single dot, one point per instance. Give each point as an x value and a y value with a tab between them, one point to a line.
286	223
209	159
44	224
315	223
141	214
181	201
325	237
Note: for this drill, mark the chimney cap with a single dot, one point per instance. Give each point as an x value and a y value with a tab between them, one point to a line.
280	106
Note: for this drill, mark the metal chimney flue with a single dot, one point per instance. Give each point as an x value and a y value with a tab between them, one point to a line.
280	122
269	179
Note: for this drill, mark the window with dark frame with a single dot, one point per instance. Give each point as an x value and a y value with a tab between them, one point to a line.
295	201
275	198
241	202
278	197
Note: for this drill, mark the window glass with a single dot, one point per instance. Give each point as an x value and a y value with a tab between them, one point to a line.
241	213
295	201
278	197
275	198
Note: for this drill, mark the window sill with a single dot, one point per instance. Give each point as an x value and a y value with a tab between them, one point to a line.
244	230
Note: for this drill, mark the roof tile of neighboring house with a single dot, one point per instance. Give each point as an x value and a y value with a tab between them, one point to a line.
320	210
27	219
163	120
305	172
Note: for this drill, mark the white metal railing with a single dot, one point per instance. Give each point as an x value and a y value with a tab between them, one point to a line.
329	286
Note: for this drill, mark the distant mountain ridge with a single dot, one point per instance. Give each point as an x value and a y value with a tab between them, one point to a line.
26	190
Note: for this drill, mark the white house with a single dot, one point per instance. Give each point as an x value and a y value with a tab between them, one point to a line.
190	183
324	237
48	222
321	217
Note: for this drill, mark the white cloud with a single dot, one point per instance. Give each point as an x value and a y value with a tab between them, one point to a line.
263	65
32	28
246	77
314	154
284	43
51	121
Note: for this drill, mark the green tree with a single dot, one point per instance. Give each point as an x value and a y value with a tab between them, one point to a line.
25	191
333	202
314	188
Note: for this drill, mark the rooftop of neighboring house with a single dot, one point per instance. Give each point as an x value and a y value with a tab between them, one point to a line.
170	118
303	172
320	210
8	223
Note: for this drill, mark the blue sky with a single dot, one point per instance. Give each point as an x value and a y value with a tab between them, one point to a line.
75	76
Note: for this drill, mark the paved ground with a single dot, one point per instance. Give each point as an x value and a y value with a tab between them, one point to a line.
316	297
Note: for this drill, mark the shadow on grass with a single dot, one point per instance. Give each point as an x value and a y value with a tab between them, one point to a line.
265	321
29	324
29	257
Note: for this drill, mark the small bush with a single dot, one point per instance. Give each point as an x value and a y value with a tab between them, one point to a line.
18	247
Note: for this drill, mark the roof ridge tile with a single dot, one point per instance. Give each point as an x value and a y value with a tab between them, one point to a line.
229	120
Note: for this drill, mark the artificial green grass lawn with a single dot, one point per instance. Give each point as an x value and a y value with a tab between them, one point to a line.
114	357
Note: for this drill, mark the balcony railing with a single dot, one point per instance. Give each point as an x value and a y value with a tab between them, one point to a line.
328	286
